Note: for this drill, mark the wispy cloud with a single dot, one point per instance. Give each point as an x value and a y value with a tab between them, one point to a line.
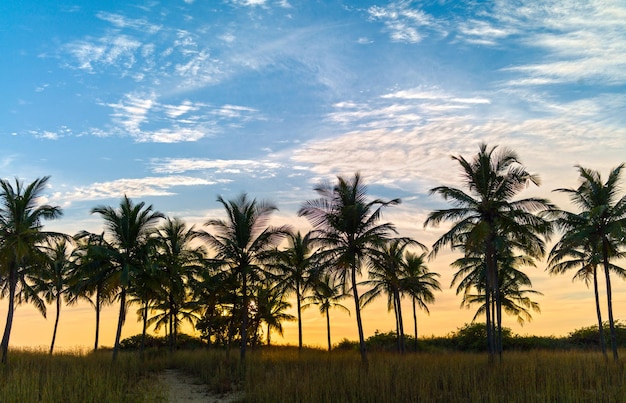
403	22
481	32
403	108
580	40
144	118
218	166
136	188
121	21
111	50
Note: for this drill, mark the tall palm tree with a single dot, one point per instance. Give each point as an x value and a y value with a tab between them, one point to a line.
419	283
242	243
386	275
601	222
53	280
179	259
93	275
486	216
130	228
326	294
347	228
21	234
295	267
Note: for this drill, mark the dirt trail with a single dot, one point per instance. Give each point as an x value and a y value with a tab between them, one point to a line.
185	388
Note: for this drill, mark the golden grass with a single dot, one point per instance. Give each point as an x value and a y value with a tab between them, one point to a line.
284	375
535	376
35	376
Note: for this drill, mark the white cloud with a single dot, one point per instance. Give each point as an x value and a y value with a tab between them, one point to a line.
581	40
179	165
111	50
136	188
175	111
404	23
132	111
121	21
144	118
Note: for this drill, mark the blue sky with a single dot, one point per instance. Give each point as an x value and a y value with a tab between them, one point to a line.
175	102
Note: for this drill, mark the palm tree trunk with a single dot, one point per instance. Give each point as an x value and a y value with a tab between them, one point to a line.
175	329
95	345
269	338
400	323
244	322
170	323
328	328
298	307
144	317
598	312
491	284
499	323
488	323
11	310
415	323
395	314
359	323
120	323
56	322
609	299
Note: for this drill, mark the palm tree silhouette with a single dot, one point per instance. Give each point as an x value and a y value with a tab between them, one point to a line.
131	229
92	275
53	281
419	283
242	243
487	216
386	275
294	268
346	227
600	222
326	295
21	233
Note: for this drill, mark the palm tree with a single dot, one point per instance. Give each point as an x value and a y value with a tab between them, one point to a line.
601	223
486	216
419	283
131	228
271	306
346	226
295	267
386	275
93	275
514	299
178	260
145	290
564	257
242	242
21	233
326	295
53	280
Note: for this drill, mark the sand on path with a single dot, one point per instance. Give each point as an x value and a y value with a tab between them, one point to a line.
186	388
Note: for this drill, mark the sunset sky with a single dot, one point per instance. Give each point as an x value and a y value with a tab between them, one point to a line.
176	102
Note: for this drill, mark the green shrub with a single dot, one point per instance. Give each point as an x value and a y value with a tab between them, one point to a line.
589	336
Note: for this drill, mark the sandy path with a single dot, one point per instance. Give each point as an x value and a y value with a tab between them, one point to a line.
185	388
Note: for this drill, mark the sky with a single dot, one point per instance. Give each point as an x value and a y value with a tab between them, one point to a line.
176	102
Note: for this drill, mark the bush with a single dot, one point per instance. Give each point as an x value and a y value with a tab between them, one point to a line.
388	342
589	336
473	337
346	345
182	341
